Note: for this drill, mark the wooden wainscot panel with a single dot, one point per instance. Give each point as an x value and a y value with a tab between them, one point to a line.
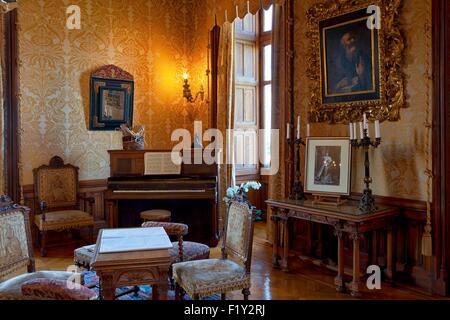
412	268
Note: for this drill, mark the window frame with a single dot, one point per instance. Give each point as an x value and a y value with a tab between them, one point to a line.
262	39
265	39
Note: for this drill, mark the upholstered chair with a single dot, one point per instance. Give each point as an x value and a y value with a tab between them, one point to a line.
56	189
16	255
203	278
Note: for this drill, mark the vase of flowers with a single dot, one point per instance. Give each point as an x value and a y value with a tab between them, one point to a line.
240	193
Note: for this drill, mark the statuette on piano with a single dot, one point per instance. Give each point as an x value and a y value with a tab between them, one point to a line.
133	139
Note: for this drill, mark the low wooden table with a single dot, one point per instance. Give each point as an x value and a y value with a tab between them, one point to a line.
345	219
131	268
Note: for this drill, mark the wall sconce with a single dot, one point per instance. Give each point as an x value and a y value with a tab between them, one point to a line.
187	93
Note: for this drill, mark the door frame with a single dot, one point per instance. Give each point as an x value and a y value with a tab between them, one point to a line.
11	107
441	144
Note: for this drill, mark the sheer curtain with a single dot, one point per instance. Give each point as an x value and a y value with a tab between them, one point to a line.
225	112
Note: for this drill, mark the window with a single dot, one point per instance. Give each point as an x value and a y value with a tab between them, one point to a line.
253	91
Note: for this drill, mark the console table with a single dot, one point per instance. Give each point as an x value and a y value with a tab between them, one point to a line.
345	219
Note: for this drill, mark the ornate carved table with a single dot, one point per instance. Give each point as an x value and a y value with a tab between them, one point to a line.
346	219
132	268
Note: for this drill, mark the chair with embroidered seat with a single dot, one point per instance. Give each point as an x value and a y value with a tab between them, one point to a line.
204	278
16	254
56	189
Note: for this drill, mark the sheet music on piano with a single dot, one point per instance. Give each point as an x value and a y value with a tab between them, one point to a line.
160	163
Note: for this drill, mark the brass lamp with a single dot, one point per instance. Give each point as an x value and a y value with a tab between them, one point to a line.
187	93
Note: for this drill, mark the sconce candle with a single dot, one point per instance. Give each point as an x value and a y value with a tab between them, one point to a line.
288	131
299	120
361	129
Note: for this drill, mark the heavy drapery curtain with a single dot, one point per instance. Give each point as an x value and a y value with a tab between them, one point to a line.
280	93
225	112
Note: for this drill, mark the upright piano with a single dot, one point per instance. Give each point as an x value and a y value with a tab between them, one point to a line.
191	196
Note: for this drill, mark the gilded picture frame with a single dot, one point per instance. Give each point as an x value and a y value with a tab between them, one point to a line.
355	65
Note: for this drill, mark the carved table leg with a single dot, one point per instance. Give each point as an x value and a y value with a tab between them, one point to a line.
108	290
339	280
164	290
389	252
356	284
285	258
275	241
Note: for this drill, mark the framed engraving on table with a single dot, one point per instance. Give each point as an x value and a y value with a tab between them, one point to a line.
355	61
112	95
328	166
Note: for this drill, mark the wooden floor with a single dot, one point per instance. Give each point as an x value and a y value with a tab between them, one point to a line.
304	282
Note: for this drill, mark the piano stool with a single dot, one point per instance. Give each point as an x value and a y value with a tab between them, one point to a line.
156	215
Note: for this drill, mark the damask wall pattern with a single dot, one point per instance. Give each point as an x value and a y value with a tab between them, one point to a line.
398	166
151	39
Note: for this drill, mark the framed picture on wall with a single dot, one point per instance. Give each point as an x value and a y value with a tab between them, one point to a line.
328	166
112	95
355	61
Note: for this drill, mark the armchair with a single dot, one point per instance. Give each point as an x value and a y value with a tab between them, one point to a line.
56	188
203	278
16	253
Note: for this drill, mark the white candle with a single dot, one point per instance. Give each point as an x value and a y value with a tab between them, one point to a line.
354	132
366	124
298	127
351	131
377	129
288	131
361	129
308	130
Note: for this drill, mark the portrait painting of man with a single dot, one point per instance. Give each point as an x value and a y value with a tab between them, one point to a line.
350	62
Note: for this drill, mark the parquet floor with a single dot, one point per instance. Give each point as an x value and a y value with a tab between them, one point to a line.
304	282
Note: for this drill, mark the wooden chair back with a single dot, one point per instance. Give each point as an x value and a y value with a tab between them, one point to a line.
57	184
16	250
238	236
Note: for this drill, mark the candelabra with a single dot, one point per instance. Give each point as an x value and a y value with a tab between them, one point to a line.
298	192
367	202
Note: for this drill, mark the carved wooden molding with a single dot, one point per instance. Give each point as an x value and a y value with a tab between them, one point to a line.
112	72
6	7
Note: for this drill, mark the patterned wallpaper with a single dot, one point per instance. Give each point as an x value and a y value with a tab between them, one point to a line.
399	164
152	39
157	41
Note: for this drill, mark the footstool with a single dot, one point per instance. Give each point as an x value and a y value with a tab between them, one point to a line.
156	215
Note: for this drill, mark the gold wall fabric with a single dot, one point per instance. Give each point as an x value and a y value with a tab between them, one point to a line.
152	39
398	165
